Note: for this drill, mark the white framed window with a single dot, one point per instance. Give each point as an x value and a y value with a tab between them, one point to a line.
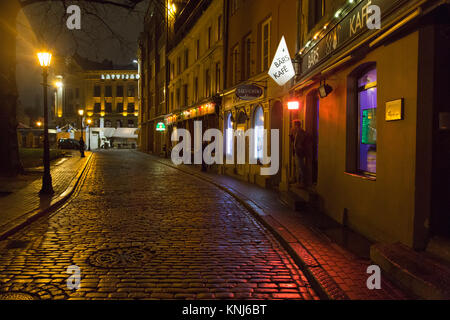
265	44
258	131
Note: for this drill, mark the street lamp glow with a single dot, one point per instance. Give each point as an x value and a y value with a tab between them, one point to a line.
39	124
45	58
171	8
89	121
58	84
81	112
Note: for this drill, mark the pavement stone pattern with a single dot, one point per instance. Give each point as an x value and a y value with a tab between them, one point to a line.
326	260
138	229
27	199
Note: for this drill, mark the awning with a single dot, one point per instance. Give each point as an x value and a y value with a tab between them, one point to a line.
125	133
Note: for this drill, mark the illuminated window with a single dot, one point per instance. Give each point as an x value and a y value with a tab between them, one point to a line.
258	127
228	125
367	122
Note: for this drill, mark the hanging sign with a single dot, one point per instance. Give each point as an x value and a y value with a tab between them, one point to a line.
248	92
282	69
160	126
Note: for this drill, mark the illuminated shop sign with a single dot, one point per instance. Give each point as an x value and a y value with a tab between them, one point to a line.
249	92
160	126
120	76
348	29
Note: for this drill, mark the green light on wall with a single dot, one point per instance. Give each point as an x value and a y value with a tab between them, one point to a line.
160	126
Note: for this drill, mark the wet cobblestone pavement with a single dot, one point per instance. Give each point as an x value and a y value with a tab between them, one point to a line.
138	229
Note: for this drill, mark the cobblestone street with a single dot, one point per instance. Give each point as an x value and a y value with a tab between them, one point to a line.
139	229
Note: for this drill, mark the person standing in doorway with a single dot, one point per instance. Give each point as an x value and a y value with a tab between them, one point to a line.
300	140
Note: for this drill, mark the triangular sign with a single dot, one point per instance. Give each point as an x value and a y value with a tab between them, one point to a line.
282	69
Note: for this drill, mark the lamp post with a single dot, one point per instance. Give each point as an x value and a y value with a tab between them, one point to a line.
89	143
44	60
81	113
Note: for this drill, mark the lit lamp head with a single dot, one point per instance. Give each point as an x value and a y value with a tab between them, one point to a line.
81	112
89	121
39	123
293	105
45	58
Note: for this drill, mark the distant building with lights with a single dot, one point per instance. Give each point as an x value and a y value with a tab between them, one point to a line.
107	94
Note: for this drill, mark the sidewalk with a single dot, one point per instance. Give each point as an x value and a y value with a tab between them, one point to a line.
338	273
20	201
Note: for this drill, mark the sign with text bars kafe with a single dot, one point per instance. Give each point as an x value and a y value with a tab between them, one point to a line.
282	69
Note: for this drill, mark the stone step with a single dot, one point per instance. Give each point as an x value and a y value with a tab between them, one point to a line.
440	248
418	272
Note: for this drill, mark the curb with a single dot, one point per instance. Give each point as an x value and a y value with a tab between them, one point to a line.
320	280
26	219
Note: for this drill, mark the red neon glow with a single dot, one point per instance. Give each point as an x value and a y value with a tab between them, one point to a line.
293	105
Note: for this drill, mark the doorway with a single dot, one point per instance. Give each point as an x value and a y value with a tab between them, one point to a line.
440	204
277	123
312	128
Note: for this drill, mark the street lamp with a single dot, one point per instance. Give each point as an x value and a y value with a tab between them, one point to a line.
45	59
81	113
89	143
39	124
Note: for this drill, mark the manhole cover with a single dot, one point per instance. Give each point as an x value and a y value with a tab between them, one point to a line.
16	296
31	291
120	257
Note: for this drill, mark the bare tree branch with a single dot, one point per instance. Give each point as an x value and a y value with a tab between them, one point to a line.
127	4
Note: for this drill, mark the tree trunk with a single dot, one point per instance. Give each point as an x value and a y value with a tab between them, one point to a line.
9	149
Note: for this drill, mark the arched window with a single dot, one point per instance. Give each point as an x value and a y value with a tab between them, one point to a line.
228	125
258	127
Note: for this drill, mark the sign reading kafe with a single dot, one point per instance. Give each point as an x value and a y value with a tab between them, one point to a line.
365	17
249	92
282	69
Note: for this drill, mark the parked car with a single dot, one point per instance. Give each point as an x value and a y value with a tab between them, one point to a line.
72	144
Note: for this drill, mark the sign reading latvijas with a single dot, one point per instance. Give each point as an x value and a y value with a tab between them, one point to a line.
282	69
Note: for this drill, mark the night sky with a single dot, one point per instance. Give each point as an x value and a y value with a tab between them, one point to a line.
95	40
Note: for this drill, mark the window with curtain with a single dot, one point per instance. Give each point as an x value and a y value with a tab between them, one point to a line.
258	127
